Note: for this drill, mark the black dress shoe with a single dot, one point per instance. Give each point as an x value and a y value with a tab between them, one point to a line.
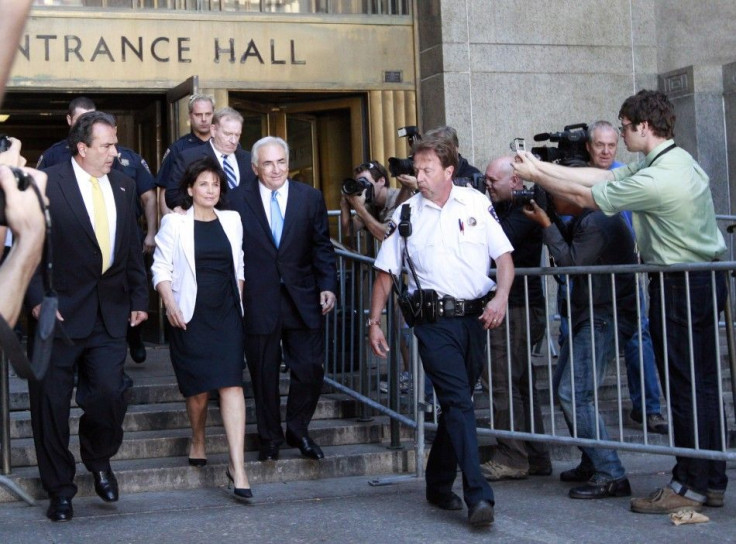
197	462
106	485
602	490
445	501
577	474
60	509
136	345
269	452
306	445
242	494
480	514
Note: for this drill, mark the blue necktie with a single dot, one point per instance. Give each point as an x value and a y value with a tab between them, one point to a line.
277	220
232	181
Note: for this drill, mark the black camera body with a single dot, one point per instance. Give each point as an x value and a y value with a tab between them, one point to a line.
4	143
477	181
22	179
522	197
398	167
353	187
571	149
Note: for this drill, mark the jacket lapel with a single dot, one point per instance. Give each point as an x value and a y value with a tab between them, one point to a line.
253	200
187	239
70	189
120	195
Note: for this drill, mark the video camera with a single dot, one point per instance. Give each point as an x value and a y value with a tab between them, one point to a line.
570	150
22	179
398	167
351	187
477	181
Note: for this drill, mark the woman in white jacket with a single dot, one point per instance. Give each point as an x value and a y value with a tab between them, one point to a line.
198	271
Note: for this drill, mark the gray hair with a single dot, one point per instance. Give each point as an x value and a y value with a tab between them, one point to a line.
200	98
601	124
226	113
268	140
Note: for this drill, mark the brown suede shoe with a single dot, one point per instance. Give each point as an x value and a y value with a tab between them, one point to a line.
665	501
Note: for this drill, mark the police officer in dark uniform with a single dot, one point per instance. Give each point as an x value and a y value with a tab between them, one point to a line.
201	110
454	236
135	167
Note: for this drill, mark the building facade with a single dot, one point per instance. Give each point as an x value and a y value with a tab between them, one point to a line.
337	78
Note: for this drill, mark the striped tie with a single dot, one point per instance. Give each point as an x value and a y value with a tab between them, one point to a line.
277	220
101	226
232	181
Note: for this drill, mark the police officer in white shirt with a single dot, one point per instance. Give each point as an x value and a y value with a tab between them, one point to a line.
454	236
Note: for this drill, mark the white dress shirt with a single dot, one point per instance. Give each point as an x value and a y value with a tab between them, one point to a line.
85	187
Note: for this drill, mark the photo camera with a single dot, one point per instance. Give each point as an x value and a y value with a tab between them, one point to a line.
22	179
355	186
398	167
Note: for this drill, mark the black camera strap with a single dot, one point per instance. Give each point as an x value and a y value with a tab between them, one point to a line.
43	342
400	288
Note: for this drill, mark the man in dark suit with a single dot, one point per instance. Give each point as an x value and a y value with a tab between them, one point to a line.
101	283
132	165
290	284
227	125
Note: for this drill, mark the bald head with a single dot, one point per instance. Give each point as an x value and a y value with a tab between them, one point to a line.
501	179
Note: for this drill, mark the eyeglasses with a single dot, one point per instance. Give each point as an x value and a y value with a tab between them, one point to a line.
624	126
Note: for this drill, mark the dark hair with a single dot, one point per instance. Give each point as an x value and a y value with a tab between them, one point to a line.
375	168
653	107
82	103
205	164
444	148
81	131
447	132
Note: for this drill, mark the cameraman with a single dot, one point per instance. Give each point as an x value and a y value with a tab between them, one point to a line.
464	168
516	459
602	145
25	219
372	213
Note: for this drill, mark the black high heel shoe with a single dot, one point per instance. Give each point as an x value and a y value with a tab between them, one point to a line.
196	462
240	493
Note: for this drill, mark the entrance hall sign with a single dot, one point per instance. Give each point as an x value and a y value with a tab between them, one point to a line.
160	49
110	50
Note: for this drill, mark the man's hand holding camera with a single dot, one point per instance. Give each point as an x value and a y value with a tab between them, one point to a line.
25	218
537	214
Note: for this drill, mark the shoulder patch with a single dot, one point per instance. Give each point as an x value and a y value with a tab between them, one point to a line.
145	165
390	229
492	211
166	154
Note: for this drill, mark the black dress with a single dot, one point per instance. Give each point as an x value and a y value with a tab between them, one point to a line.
209	353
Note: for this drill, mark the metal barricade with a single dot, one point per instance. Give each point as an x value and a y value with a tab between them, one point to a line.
352	369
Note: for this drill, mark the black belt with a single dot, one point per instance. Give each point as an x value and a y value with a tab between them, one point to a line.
449	306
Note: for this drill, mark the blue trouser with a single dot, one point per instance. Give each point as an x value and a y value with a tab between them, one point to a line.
634	367
453	351
694	475
577	374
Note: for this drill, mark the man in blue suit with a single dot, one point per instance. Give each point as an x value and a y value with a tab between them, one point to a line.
290	285
101	284
224	146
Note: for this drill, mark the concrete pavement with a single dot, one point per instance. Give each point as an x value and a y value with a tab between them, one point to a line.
348	510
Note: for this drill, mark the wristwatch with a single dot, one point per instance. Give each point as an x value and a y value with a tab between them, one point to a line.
370	322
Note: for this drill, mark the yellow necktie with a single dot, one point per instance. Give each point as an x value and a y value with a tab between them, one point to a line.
102	228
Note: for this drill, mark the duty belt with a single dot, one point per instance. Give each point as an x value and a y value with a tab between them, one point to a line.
449	306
